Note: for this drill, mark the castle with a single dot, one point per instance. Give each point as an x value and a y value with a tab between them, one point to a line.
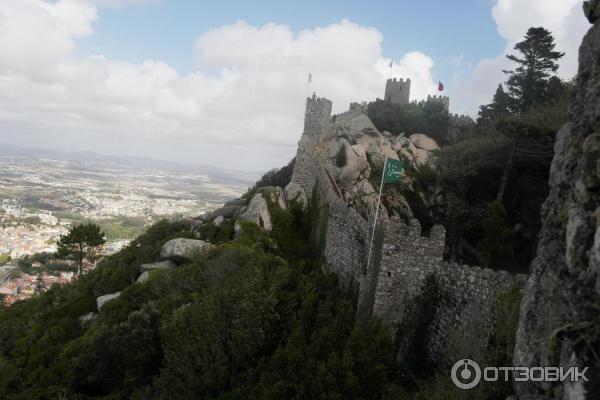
397	91
405	260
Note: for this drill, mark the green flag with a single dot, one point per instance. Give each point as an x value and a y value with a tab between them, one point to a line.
393	169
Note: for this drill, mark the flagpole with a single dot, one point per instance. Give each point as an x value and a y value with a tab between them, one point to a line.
376	212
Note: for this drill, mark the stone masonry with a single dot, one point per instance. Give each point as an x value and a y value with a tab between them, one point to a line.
403	259
397	91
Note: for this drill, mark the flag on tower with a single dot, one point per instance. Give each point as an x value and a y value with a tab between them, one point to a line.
440	86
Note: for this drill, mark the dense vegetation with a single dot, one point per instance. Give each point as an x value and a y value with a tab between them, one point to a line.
487	188
256	318
417	117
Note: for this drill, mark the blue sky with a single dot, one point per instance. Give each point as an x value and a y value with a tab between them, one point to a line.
225	82
167	30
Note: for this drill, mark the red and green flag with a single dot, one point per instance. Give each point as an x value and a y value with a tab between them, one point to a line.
393	169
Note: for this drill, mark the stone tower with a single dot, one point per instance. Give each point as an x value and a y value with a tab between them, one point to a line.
445	100
318	113
397	91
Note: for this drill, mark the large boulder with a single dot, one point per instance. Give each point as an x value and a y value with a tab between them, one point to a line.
144	276
258	212
422	141
168	264
294	192
218	221
181	249
356	165
102	300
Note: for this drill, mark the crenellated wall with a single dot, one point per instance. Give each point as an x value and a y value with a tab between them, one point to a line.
407	259
403	260
397	91
444	100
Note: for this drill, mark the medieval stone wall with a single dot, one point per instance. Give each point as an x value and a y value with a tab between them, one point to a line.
403	259
397	91
466	310
407	259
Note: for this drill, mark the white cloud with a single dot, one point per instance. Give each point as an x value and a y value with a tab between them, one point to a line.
243	106
120	3
513	17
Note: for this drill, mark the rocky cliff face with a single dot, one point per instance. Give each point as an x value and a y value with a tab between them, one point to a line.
559	322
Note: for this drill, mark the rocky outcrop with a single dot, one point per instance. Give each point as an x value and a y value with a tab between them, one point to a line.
158	265
144	276
424	142
559	323
294	192
258	208
102	300
87	318
181	250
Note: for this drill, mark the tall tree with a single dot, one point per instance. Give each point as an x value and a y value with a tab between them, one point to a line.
500	106
528	83
83	242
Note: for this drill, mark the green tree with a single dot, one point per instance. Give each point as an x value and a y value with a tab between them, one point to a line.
528	84
83	242
500	106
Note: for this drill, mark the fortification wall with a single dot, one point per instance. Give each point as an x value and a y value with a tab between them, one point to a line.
317	115
346	245
397	91
444	100
407	259
403	261
466	310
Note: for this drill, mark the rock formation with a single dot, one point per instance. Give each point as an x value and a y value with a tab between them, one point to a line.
181	250
102	300
559	323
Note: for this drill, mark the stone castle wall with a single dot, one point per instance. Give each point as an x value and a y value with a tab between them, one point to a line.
397	91
466	312
444	100
403	259
407	260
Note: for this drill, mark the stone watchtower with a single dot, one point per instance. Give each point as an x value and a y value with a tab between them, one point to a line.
397	91
318	114
444	100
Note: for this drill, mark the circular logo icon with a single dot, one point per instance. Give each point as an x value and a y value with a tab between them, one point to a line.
465	374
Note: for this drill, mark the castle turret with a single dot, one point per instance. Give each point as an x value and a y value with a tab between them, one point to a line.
444	100
318	113
397	91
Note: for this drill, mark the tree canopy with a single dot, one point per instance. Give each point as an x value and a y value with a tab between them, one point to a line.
81	243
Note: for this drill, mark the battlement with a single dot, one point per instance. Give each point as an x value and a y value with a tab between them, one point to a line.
463	120
318	113
359	106
407	259
397	91
445	100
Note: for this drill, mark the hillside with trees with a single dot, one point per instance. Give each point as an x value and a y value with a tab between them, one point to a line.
257	317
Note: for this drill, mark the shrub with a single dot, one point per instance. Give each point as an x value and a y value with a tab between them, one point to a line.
340	158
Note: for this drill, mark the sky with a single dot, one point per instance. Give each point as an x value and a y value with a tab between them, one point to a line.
224	82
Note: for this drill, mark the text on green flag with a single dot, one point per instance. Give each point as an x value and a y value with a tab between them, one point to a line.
392	172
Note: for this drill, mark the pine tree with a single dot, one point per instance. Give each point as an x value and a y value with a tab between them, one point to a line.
83	242
501	105
528	83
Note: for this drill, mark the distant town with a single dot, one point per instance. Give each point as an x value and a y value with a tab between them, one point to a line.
42	197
